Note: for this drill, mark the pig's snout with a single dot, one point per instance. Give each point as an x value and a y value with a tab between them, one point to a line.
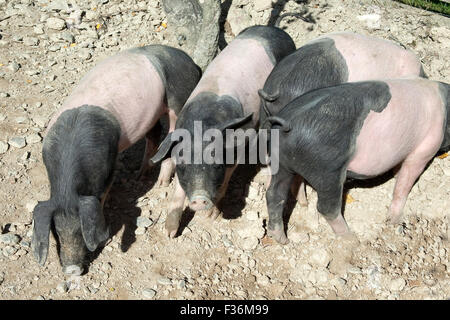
200	201
73	270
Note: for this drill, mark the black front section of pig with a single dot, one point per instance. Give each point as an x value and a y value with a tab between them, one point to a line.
79	153
316	65
317	140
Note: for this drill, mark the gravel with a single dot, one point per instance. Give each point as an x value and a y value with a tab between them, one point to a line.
149	293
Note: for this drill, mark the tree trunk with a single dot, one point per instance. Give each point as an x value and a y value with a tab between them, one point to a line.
195	27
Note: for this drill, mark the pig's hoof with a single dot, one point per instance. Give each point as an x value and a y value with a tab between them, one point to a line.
394	219
172	225
278	235
213	213
348	238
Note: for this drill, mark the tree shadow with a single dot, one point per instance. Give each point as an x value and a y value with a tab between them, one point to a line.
278	7
225	7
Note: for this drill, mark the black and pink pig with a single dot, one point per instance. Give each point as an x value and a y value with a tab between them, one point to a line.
116	104
357	130
225	98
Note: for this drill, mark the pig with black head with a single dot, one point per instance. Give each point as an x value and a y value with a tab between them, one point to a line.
357	130
225	98
116	104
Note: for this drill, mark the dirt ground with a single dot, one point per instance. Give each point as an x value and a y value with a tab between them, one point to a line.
41	58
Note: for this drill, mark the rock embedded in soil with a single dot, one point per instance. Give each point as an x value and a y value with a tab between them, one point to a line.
17	142
143	222
148	293
9	238
56	23
4	146
33	138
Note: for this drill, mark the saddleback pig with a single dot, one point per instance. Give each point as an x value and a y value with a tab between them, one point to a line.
357	130
117	103
225	98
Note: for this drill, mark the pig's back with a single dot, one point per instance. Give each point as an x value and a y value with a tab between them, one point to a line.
128	86
370	58
239	71
409	126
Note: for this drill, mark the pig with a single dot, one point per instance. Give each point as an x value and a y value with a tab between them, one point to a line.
357	130
330	60
115	104
226	97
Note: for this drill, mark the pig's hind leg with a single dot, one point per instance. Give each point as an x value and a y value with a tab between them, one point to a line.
409	171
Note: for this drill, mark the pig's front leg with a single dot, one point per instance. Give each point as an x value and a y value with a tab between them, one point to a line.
409	171
151	146
276	197
175	210
168	165
329	204
214	212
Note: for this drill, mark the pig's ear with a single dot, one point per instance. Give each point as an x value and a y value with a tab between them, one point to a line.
93	226
164	149
268	97
236	122
42	218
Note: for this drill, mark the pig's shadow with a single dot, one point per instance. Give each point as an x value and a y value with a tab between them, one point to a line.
120	207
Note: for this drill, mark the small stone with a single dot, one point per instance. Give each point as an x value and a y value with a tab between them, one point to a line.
14	66
30	205
31	41
249	243
226	242
298	237
17	142
252	215
62	287
40	121
397	284
139	231
56	23
165	281
9	238
4	146
320	257
33	138
38	29
21	119
181	284
148	293
143	222
9	251
261	5
85	54
263	280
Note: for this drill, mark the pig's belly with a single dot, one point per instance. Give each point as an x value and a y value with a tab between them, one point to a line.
384	142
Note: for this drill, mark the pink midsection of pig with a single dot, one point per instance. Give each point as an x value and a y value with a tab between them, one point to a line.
240	70
409	128
128	86
370	58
